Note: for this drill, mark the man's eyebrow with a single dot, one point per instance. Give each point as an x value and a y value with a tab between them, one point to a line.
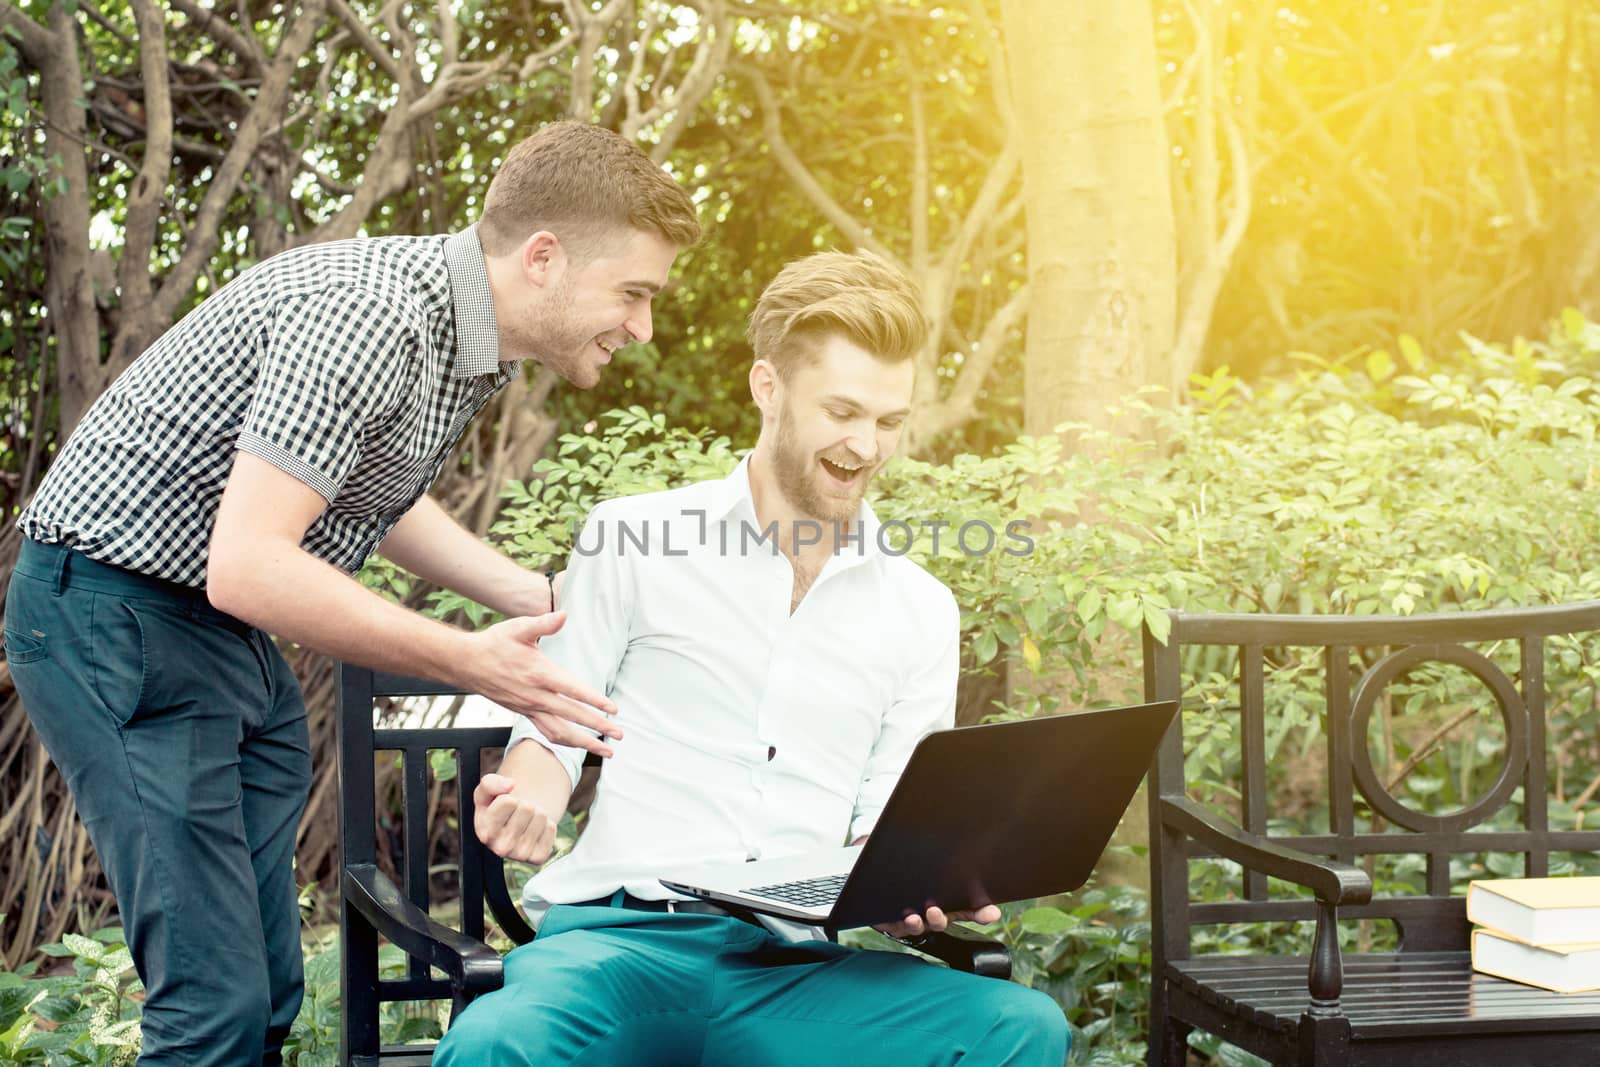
846	402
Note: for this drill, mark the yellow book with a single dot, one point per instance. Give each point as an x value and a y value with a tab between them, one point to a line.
1537	911
1561	968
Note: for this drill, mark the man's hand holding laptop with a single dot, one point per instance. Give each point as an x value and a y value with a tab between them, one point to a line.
934	920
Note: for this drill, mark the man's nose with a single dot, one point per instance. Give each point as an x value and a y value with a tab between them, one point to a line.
639	326
862	442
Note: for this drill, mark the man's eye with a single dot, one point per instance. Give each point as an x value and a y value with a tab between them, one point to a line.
892	424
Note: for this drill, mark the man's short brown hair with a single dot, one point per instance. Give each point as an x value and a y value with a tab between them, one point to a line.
585	184
854	294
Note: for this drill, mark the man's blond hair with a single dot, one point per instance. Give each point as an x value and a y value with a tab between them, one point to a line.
853	294
588	186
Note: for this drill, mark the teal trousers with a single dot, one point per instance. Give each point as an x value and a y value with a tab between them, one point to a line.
615	986
182	734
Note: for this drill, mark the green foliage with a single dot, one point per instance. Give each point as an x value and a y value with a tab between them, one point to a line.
1091	956
88	1016
91	1015
314	1039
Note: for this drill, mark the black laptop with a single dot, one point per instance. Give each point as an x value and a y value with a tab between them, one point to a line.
982	814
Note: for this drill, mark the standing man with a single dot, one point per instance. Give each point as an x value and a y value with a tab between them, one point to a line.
227	486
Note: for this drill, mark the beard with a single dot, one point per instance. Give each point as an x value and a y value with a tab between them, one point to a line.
797	473
561	341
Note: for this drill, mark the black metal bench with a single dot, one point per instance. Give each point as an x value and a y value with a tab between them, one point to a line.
445	963
1420	1004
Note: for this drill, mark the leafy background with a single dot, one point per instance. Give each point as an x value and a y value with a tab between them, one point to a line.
1384	247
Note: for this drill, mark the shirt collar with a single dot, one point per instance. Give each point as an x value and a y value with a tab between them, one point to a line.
733	496
472	304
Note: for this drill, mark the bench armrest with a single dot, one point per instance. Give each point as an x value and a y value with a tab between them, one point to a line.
470	964
964	949
1333	882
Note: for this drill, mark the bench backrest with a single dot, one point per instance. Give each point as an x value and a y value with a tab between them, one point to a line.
1258	660
482	876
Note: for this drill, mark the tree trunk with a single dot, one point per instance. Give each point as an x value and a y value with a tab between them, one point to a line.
69	287
1101	244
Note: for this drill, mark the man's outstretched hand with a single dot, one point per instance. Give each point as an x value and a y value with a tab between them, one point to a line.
935	920
507	666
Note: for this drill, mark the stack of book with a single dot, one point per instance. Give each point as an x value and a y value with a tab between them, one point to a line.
1540	931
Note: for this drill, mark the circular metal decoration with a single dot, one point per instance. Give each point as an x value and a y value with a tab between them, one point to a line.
1513	714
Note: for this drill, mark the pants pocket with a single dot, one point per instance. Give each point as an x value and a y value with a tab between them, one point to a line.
25	646
123	658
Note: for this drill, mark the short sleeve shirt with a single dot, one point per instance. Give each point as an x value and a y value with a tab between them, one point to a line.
352	365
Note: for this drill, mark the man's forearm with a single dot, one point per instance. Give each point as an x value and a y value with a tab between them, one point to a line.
540	777
288	592
433	546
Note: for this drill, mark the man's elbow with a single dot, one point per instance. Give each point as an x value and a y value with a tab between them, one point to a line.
227	579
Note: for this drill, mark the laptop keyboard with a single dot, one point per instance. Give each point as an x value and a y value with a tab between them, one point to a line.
807	893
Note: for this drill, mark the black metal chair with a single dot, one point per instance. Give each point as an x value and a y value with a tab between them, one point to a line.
373	907
1421	1005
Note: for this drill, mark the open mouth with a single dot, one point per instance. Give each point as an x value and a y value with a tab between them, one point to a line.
841	474
606	351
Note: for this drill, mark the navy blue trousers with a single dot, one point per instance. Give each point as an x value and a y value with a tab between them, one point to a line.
182	734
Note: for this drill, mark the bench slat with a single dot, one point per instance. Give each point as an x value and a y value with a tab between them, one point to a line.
1386	995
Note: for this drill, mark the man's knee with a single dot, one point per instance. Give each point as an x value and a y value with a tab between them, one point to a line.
216	1024
480	1036
1028	1026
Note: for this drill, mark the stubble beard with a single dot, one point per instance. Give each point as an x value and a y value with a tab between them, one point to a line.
560	340
796	473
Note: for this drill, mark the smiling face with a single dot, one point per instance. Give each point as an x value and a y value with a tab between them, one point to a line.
578	311
833	422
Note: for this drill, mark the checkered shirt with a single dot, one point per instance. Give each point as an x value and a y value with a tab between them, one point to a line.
352	365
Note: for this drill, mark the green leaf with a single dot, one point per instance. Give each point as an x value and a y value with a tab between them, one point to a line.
1047	921
443	762
1411	351
1030	654
1380	365
1159	622
1573	323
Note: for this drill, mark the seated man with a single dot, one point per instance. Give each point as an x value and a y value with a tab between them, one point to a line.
773	667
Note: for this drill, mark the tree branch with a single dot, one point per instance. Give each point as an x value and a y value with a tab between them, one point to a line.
454	83
807	183
709	63
963	398
384	174
986	209
34	41
149	188
1200	299
263	114
449	35
999	73
369	44
919	165
633	120
216	27
530	65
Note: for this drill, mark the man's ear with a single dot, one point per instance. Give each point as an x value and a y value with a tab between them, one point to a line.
765	388
543	259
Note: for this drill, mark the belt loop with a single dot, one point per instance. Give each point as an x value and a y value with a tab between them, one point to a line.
616	899
58	571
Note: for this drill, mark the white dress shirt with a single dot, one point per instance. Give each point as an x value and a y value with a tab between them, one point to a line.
749	732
